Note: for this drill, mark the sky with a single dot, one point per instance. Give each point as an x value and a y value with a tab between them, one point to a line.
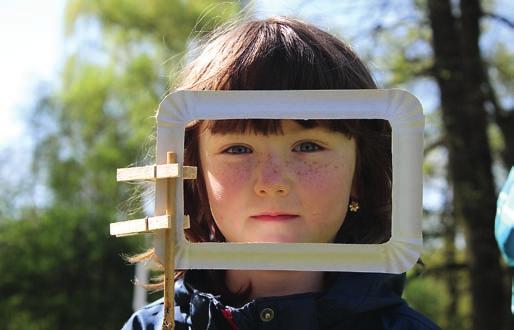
32	37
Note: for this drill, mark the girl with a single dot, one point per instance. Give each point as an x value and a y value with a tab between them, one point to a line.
285	181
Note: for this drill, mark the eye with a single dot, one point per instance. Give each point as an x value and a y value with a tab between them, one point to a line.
237	149
307	147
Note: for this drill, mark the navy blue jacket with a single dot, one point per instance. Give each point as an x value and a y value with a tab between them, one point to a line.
354	301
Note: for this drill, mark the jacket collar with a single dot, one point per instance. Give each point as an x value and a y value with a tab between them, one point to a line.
349	293
362	292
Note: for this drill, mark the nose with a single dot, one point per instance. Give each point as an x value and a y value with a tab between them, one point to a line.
272	178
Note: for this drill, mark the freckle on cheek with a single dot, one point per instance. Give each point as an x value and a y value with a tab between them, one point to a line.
312	173
231	177
322	177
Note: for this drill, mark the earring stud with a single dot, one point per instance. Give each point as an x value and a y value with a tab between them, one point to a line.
354	206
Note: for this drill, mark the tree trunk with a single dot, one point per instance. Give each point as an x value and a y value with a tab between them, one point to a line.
458	71
451	276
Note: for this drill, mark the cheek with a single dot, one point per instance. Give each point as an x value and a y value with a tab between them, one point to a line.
225	182
323	179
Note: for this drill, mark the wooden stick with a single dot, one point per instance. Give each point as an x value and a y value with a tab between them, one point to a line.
169	253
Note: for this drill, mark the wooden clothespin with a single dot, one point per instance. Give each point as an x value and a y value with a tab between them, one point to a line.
169	172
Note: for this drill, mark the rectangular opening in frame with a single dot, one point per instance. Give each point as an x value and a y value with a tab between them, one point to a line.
289	181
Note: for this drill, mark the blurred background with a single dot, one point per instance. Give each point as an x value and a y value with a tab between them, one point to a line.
80	81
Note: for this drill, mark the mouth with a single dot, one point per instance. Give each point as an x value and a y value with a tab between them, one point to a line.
274	216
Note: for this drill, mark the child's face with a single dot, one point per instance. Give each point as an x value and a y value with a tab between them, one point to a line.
278	188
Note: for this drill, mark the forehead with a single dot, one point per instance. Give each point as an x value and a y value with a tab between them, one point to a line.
278	126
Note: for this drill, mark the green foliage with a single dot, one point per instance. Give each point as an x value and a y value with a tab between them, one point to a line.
429	290
428	296
166	23
59	269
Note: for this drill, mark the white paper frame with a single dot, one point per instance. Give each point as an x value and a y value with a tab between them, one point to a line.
400	108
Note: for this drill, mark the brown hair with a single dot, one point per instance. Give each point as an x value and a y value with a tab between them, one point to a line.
276	54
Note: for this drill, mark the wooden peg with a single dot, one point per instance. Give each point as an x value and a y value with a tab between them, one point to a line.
138	226
169	253
145	225
154	172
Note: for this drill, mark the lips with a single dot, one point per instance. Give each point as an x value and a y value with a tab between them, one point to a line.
274	216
